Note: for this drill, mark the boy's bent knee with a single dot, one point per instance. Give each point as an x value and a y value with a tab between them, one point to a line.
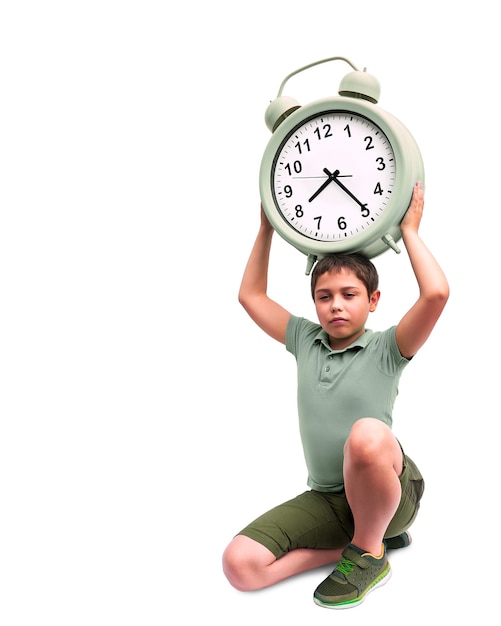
234	569
244	562
371	441
367	438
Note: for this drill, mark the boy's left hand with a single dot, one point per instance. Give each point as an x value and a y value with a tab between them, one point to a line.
412	217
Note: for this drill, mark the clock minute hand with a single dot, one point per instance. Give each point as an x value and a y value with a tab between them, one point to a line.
346	190
330	178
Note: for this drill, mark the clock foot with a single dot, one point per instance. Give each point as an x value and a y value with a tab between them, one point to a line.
390	242
310	263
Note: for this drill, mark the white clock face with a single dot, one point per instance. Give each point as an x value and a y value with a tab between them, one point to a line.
333	176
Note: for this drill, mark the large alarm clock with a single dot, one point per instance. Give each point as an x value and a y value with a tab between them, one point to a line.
337	174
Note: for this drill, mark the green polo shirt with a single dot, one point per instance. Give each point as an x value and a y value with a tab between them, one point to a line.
338	387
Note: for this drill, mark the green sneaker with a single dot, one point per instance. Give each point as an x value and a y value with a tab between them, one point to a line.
356	574
400	541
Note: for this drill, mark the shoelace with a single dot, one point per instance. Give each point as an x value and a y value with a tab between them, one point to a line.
345	566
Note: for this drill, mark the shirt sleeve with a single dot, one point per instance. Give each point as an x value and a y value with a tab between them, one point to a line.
299	332
291	334
387	353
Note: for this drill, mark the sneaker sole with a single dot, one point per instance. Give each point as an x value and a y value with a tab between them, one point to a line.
352	603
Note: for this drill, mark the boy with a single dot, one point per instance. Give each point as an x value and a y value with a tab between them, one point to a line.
364	490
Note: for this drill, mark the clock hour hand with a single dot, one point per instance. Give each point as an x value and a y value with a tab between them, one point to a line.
335	178
330	178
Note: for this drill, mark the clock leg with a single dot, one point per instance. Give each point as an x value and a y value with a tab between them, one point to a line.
310	263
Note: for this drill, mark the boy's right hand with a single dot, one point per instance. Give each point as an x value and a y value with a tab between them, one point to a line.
265	222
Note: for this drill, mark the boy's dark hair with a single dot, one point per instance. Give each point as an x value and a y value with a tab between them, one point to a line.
360	265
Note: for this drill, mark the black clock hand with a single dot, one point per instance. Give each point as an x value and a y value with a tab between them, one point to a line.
335	178
330	178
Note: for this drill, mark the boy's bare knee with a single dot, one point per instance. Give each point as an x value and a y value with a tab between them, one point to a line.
237	568
231	567
365	441
371	443
242	566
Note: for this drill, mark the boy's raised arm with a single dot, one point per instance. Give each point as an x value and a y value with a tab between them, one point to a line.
267	313
417	324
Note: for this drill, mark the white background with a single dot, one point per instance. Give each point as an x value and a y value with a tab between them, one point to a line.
144	419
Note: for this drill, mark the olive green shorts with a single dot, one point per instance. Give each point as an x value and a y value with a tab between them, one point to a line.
322	520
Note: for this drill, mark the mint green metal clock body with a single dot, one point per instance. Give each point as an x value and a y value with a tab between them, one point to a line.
337	174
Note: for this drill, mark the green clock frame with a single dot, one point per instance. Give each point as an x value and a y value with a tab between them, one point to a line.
359	93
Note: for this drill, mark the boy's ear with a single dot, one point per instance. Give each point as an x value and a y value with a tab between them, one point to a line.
373	300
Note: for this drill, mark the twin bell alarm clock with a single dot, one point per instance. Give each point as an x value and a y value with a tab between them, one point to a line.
337	174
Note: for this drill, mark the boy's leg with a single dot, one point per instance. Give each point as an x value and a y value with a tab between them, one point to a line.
298	535
248	565
373	463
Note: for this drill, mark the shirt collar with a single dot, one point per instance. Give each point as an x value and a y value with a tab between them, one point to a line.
362	341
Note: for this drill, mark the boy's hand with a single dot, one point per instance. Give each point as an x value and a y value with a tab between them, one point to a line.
412	217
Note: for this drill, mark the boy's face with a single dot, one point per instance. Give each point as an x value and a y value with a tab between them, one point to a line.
343	306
